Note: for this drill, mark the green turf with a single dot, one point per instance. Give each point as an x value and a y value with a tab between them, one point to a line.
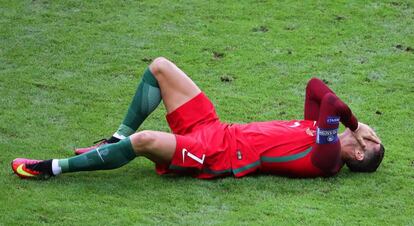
68	70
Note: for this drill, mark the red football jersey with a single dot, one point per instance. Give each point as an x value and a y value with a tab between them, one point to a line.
277	147
299	148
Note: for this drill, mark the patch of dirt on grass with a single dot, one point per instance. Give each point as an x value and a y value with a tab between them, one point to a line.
404	48
260	29
325	81
146	60
226	78
217	55
339	17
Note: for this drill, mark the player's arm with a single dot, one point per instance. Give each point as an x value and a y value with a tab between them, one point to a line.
315	91
327	149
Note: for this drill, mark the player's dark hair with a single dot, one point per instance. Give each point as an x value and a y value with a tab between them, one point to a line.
370	163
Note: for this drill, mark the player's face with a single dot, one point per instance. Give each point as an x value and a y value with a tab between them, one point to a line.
351	149
371	145
359	152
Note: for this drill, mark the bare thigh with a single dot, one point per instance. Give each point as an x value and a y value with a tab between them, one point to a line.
157	146
176	87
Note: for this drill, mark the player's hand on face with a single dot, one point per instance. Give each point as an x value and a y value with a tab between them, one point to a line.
365	132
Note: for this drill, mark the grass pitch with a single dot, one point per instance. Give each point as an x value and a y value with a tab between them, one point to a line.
68	70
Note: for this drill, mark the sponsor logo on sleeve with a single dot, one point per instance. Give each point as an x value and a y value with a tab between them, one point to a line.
332	120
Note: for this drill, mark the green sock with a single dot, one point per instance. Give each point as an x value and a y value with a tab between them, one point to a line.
110	156
146	99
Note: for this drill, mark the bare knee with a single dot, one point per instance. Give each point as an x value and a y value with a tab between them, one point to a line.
143	141
159	65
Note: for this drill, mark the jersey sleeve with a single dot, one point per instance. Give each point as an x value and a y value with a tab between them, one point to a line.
326	154
347	118
316	91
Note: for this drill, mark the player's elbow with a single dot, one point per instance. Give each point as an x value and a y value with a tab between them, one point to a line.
312	82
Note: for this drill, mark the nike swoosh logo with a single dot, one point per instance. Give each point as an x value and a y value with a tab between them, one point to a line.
296	124
22	172
184	151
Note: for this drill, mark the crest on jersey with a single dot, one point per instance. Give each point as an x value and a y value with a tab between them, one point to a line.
239	155
310	132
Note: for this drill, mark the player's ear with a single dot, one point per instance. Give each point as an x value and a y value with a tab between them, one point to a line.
359	155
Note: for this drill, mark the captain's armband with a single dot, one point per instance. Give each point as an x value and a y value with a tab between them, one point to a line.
326	136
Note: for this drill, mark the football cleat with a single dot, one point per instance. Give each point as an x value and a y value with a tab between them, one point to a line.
99	143
21	168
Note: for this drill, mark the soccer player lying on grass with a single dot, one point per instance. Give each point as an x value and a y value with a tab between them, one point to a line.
202	146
